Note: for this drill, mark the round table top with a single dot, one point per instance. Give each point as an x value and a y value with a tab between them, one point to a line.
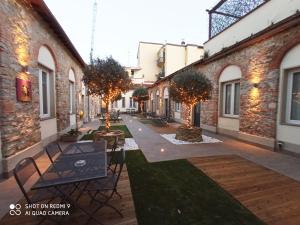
112	133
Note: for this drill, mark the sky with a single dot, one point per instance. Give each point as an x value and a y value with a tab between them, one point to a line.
122	24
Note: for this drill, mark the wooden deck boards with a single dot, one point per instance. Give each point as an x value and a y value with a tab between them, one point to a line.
272	197
105	215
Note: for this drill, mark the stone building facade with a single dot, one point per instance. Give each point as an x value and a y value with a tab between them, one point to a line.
261	75
34	48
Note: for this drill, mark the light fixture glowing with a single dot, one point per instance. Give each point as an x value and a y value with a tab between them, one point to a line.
25	69
162	150
140	129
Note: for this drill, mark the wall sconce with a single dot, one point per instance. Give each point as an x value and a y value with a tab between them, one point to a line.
25	69
255	85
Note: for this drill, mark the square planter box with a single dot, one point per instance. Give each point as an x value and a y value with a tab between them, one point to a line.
70	138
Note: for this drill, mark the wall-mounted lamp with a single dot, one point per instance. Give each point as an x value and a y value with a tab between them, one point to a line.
255	85
25	69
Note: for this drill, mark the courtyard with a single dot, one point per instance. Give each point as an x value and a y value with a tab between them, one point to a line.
200	127
228	182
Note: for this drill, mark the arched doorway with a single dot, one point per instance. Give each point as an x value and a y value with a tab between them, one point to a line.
157	102
229	103
166	102
72	98
47	95
288	117
152	102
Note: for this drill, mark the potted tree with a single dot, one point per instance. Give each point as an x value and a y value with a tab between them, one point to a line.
190	87
140	95
108	79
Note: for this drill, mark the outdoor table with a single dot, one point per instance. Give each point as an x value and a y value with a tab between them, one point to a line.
73	169
85	147
112	137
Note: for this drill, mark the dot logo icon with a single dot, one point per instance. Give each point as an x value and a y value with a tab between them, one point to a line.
15	209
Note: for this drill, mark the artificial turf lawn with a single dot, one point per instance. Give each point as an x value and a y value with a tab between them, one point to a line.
90	135
153	122
119	127
177	193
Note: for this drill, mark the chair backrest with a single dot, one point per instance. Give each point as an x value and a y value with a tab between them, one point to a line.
113	153
52	150
24	170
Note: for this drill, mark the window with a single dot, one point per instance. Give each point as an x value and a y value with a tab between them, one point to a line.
123	102
177	107
293	98
231	99
72	97
130	102
134	104
44	87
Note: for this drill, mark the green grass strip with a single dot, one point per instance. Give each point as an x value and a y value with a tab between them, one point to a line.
177	193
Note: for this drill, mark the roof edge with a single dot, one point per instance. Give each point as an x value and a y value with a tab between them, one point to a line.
41	8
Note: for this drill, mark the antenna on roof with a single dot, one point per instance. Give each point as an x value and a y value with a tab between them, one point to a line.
95	11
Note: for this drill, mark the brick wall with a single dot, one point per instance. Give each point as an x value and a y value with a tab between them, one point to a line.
21	37
259	63
257	107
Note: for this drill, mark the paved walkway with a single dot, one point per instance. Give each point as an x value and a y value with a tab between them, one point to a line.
151	143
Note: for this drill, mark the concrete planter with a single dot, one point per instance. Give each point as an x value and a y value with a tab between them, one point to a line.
70	138
193	134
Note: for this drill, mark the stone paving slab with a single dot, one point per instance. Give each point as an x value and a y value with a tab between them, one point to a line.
151	143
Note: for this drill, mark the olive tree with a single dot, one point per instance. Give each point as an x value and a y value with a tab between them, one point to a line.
190	87
108	79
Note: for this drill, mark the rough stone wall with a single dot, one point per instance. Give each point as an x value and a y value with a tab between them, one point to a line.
161	86
258	106
21	36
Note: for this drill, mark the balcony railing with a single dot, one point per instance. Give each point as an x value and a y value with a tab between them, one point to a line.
228	12
160	61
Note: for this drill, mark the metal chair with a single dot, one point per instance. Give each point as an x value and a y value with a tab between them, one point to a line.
103	190
23	171
53	150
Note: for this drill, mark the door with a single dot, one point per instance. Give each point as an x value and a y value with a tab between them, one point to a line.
166	107
197	110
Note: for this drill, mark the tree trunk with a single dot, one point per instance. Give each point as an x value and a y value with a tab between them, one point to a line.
139	106
107	116
189	119
142	106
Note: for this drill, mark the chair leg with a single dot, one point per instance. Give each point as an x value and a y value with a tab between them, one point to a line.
120	196
114	208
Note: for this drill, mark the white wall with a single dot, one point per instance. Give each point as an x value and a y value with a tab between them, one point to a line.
271	12
127	102
194	53
48	128
175	58
288	133
229	123
45	58
147	59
